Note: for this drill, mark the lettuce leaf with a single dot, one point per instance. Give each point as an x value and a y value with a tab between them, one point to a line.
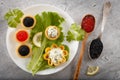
13	17
66	48
44	20
75	33
37	58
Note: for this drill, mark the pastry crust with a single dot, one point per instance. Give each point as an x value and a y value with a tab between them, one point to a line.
30	17
52	38
60	61
19	31
28	55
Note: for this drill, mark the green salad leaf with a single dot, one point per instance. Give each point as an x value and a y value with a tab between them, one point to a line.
44	20
13	17
37	58
66	48
58	41
75	33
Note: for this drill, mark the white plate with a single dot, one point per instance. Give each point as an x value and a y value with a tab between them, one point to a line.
12	44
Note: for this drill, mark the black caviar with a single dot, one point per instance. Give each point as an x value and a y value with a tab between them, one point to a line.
28	21
23	50
96	48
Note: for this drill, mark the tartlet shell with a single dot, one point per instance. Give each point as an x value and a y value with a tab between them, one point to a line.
50	37
28	55
21	41
24	18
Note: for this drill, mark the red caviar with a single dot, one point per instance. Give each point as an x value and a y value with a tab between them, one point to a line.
22	35
88	23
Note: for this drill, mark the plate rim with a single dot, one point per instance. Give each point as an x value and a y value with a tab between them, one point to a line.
7	35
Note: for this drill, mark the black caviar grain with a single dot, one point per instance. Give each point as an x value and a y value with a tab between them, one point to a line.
23	50
96	48
28	21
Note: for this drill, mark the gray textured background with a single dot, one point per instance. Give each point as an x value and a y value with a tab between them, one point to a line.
109	61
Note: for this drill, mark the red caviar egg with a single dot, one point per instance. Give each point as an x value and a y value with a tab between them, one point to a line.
22	35
88	23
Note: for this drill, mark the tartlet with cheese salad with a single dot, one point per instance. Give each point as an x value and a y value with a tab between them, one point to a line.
52	32
55	55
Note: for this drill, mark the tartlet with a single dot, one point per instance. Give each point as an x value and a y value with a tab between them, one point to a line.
21	35
52	32
28	21
54	57
23	51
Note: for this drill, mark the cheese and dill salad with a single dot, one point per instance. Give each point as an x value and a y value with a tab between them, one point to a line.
44	32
